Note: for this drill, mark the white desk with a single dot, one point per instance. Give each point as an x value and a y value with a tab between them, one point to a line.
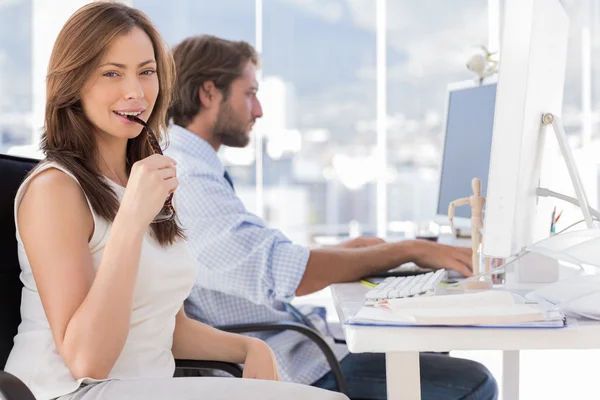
402	345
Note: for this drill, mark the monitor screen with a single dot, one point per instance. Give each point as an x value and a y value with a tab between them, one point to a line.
469	126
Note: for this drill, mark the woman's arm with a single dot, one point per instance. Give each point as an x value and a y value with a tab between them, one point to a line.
196	341
88	312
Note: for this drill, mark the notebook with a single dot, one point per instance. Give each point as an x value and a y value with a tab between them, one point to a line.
490	309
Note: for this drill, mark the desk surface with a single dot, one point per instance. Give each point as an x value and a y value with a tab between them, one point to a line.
349	298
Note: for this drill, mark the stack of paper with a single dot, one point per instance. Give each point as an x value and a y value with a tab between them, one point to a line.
492	308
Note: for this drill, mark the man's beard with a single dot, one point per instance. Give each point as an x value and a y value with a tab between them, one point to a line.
229	129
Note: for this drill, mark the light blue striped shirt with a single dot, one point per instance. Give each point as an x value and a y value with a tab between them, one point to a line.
246	271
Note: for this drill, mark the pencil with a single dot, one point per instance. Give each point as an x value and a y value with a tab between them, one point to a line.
558	217
368	284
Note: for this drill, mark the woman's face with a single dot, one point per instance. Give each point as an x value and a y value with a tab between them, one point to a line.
125	82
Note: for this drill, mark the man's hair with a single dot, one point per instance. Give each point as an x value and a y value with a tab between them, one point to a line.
201	59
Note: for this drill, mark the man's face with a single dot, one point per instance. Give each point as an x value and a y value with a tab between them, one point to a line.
237	114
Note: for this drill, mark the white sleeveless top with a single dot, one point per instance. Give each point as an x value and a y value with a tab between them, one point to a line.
165	278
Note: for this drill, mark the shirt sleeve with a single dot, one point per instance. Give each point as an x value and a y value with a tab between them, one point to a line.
236	253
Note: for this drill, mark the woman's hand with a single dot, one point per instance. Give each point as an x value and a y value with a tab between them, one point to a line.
150	182
260	361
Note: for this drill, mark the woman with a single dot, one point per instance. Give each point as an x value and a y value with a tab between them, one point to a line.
102	313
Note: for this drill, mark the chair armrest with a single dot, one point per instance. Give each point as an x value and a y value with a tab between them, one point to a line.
11	388
312	334
231	368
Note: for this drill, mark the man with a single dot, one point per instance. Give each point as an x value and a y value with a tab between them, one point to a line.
247	272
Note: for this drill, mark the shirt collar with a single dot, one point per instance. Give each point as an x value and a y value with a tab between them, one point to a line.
187	142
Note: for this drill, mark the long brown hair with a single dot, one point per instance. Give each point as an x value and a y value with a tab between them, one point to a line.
204	58
68	136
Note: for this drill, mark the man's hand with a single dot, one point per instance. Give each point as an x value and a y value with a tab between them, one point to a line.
363	241
433	255
260	361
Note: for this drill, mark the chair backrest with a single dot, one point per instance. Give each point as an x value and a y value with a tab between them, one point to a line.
12	172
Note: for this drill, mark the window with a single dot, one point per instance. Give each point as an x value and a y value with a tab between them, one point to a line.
318	97
422	59
318	147
15	74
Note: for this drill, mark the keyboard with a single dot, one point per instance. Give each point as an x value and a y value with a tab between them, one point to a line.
406	286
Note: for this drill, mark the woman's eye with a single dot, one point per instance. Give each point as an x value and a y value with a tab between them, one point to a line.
110	74
149	72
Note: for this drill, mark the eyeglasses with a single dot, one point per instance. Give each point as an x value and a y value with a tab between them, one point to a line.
167	213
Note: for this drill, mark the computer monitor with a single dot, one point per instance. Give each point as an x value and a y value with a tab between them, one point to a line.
467	143
530	83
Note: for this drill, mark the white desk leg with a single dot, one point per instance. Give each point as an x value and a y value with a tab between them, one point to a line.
403	375
510	375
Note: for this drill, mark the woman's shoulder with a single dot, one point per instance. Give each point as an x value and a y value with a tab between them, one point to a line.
53	180
51	177
51	183
50	196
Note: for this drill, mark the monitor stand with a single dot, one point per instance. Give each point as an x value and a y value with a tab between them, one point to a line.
539	269
567	153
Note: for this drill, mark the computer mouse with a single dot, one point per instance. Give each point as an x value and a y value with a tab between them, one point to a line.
453	275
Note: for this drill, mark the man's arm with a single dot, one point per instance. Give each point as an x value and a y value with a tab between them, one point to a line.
236	253
347	263
239	255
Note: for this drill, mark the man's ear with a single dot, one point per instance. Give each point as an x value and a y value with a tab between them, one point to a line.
207	94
